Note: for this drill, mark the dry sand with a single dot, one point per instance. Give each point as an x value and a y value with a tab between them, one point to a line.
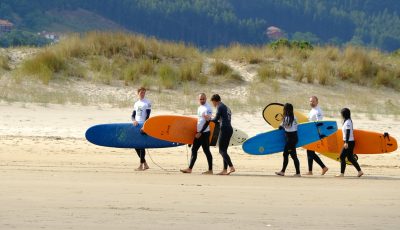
51	178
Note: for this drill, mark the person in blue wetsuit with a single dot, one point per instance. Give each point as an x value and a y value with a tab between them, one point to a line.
289	124
223	116
141	112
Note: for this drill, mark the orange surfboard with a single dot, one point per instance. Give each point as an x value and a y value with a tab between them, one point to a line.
367	142
178	129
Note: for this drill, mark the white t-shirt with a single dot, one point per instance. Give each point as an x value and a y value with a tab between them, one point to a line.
293	127
202	111
348	124
315	114
141	107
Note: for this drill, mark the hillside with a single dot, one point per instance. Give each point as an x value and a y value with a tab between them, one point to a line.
208	24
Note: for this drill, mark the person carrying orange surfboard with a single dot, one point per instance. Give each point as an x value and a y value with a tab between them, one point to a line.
349	143
141	112
202	137
315	114
223	116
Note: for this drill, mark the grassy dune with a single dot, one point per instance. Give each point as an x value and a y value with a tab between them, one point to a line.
105	68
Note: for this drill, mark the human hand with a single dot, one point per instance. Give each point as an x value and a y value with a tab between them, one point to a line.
198	135
346	145
135	123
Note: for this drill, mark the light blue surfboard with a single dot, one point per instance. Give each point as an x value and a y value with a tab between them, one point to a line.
274	141
124	135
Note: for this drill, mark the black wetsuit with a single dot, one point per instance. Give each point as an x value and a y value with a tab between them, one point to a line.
204	142
224	116
141	152
311	157
348	153
290	149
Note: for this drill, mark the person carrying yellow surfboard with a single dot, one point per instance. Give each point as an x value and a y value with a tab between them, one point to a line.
315	114
289	124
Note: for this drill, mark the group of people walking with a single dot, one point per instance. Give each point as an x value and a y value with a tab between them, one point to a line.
223	116
141	112
289	124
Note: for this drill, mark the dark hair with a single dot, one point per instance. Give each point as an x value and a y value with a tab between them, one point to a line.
140	89
288	113
216	98
346	114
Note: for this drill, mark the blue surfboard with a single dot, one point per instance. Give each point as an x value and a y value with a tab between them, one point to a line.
274	141
124	135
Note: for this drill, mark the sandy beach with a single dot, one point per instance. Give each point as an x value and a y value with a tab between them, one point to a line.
52	178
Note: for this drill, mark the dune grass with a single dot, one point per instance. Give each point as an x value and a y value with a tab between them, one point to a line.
322	65
4	62
175	72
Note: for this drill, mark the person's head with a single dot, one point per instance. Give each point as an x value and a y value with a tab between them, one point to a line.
215	99
346	114
287	110
141	92
288	114
202	98
313	101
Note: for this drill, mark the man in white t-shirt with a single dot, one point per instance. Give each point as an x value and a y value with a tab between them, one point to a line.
141	112
315	114
202	137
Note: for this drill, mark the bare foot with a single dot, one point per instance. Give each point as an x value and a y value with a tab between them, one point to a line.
145	166
360	173
308	174
324	170
188	170
340	175
223	172
280	173
140	168
231	170
209	172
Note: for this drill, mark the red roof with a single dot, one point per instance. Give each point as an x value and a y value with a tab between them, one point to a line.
5	23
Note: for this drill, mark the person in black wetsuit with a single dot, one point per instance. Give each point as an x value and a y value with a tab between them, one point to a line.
289	124
223	116
202	137
141	112
349	143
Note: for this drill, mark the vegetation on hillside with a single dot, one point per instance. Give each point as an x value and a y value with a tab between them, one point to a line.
133	59
208	23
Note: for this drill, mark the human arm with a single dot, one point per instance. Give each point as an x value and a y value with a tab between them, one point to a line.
217	116
135	123
347	139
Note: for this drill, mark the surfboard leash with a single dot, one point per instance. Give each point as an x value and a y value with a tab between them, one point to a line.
148	153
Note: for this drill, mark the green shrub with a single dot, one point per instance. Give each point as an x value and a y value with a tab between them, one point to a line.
220	68
168	76
43	66
190	71
266	72
4	62
130	74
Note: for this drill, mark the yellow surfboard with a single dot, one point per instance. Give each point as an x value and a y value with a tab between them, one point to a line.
273	115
